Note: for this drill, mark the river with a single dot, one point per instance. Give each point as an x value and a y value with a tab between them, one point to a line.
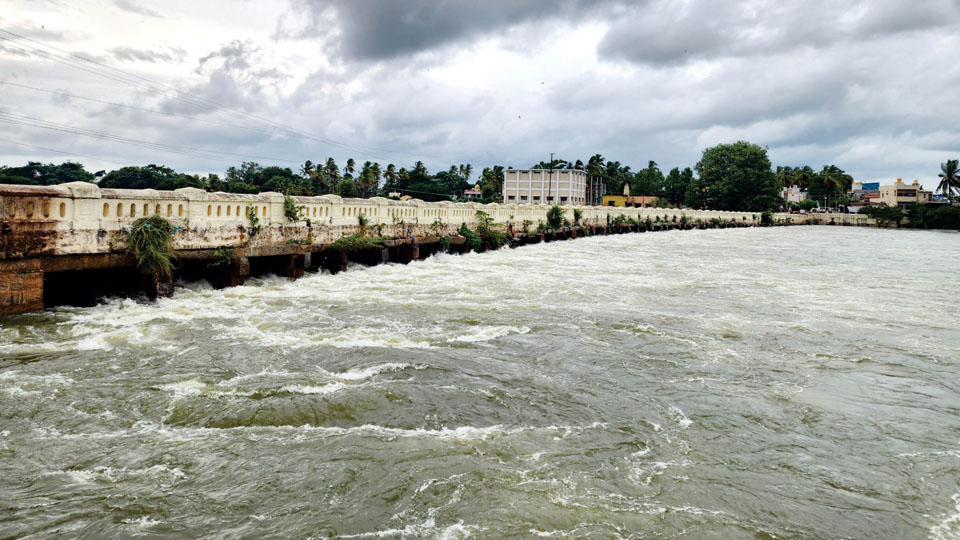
781	383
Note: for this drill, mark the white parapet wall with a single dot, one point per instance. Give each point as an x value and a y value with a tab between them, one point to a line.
84	218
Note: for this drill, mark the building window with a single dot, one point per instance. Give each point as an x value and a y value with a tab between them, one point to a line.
536	197
510	197
611	203
563	199
550	198
523	197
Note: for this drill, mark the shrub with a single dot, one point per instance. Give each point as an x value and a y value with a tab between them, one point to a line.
947	217
255	227
355	242
884	214
290	209
555	217
151	244
526	226
362	219
577	215
473	239
222	256
766	218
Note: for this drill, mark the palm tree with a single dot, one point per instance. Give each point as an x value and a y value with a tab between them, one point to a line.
390	175
803	176
785	176
950	179
350	168
375	174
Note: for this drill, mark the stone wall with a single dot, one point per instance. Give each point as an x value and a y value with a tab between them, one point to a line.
81	218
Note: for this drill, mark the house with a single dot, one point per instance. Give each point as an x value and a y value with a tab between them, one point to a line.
472	193
615	200
903	195
545	186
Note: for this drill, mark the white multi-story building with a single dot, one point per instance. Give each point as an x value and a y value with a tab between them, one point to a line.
545	186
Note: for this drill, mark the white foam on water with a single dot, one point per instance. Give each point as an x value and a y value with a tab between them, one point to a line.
548	534
16	391
361	374
949	527
52	378
679	417
160	472
259	375
143	522
182	389
426	529
488	333
316	390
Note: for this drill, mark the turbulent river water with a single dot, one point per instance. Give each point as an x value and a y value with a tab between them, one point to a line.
783	383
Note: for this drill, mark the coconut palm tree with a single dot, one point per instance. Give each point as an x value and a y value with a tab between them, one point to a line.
390	175
350	168
375	174
950	177
803	176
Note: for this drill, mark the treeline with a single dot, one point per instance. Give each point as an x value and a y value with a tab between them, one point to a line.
916	216
736	176
366	180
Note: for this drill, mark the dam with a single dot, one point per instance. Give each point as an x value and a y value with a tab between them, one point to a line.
66	244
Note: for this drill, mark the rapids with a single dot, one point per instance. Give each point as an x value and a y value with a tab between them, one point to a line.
799	382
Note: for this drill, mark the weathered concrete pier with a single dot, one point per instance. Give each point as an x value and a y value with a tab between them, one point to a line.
66	244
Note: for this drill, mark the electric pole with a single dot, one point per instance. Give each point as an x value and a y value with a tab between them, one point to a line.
550	181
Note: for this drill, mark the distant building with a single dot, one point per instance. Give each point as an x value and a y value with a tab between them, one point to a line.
615	200
472	193
903	195
794	194
866	192
545	186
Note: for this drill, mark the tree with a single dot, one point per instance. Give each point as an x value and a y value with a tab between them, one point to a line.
149	177
493	176
949	178
675	185
390	177
830	183
39	174
346	188
648	181
488	194
350	168
736	177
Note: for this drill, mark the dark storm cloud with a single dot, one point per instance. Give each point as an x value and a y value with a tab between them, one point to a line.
667	32
384	29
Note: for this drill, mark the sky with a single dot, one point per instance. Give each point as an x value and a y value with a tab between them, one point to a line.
870	86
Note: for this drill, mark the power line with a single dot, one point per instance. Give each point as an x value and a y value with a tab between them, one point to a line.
62	152
17	119
180	95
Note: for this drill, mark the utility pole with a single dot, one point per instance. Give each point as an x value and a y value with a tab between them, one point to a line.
550	182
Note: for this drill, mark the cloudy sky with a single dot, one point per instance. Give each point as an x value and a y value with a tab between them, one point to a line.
871	86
